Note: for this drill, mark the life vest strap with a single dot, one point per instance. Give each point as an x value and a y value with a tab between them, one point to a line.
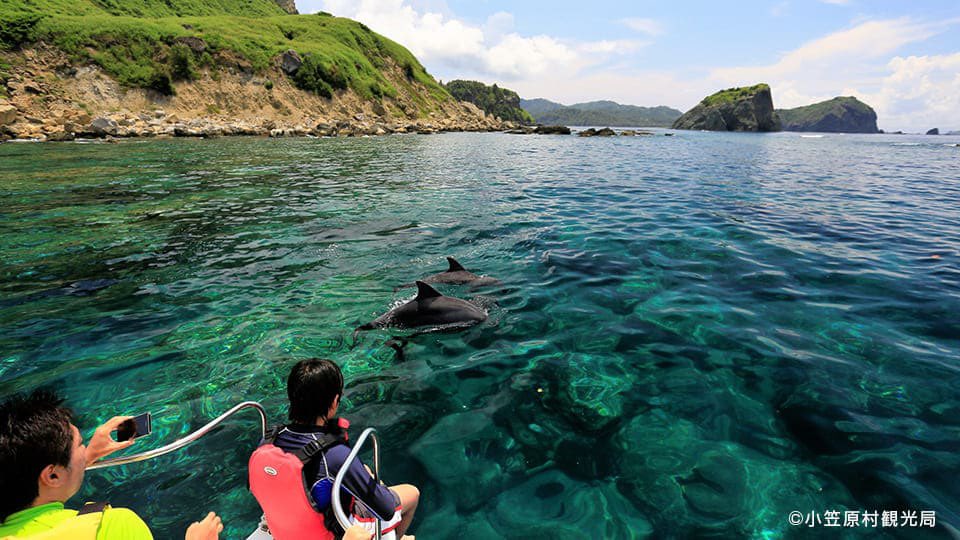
93	507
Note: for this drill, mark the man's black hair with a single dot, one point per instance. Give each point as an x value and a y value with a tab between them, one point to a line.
34	433
312	386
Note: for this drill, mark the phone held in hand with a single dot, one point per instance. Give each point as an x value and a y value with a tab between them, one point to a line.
134	428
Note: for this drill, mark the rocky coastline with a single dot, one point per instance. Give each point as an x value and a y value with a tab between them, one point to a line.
49	99
158	123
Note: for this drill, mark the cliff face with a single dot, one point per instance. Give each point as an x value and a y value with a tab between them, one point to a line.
223	72
838	115
289	6
734	109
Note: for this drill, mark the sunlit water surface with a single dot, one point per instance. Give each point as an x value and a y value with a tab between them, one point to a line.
695	335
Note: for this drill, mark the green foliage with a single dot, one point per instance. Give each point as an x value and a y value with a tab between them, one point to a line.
146	8
17	29
268	85
182	65
4	75
160	81
731	95
138	51
602	113
491	99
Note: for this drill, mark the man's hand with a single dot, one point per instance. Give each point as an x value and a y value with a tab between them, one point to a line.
208	529
102	444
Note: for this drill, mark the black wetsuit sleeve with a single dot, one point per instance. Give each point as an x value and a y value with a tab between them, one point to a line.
360	484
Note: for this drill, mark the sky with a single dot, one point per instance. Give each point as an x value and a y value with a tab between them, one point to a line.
900	57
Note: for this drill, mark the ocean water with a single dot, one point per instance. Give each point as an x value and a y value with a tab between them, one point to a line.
694	336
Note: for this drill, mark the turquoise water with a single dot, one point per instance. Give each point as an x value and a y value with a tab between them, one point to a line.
695	335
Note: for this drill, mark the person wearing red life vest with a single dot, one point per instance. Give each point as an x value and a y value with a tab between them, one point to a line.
291	473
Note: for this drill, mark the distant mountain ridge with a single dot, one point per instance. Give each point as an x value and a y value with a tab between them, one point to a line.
599	113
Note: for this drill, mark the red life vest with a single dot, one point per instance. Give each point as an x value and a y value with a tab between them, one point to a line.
276	480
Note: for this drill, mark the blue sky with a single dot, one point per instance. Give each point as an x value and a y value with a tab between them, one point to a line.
903	58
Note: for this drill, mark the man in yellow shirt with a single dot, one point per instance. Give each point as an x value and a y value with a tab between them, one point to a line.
42	463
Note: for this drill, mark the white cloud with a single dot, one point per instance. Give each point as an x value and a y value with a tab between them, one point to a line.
651	27
857	61
836	2
493	50
919	93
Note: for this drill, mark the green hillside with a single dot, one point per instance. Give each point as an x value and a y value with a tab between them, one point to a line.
145	8
144	43
600	113
731	95
499	102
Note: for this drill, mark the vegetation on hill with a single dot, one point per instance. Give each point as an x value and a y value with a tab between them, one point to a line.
494	100
600	113
837	115
153	43
731	95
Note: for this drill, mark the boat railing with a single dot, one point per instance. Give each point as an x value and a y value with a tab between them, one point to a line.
370	433
180	443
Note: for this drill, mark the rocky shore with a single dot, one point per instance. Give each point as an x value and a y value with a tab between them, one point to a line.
76	124
48	99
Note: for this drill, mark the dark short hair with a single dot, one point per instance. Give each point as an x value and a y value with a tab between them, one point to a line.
34	433
312	386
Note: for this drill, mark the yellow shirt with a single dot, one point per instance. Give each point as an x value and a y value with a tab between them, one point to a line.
52	521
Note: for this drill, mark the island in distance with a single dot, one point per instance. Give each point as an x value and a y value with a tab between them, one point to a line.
751	109
837	115
748	108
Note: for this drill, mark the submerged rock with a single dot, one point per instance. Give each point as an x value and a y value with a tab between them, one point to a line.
675	472
464	453
734	109
589	398
571	509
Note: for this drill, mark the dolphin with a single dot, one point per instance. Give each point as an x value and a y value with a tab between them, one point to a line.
430	308
456	274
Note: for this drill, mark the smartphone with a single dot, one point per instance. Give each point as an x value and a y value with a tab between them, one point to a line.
134	428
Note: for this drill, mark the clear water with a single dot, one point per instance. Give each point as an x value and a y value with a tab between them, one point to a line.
695	335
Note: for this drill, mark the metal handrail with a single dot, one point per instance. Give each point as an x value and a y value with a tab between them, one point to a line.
337	507
180	443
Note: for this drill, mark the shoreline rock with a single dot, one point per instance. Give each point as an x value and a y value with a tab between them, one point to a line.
49	99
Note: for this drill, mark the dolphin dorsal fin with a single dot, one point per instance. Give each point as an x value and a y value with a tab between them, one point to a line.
455	266
425	291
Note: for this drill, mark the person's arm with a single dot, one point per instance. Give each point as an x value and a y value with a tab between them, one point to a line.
361	485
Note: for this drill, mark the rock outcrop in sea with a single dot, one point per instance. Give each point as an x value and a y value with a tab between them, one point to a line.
837	115
934	131
734	109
